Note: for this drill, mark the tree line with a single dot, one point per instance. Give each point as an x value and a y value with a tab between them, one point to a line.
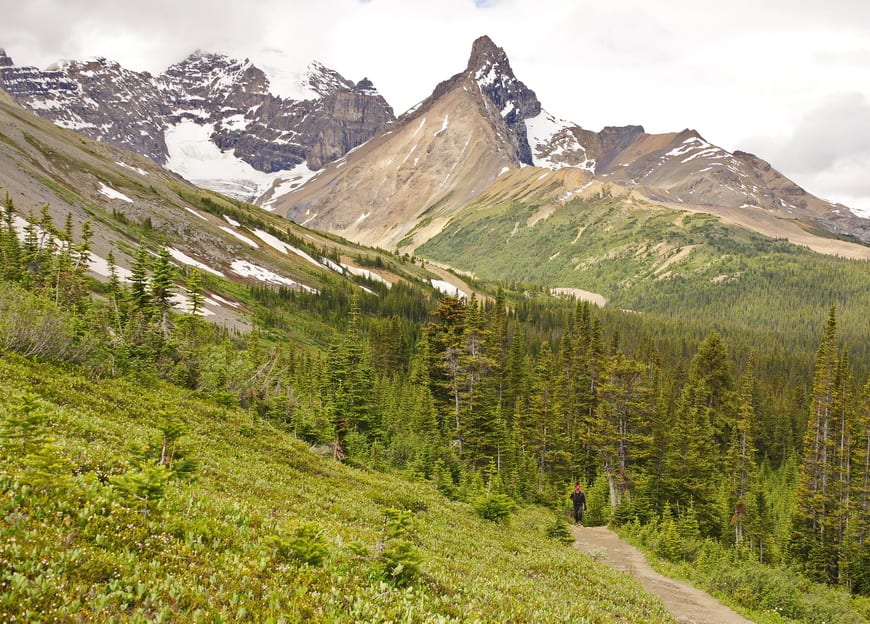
514	398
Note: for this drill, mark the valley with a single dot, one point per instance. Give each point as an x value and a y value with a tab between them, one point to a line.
330	364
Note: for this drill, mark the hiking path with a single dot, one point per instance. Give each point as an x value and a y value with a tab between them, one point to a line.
687	604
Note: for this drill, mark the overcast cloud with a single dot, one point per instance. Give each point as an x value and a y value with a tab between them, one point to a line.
787	80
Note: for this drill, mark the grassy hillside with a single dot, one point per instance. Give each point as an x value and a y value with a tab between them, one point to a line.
106	519
43	165
671	263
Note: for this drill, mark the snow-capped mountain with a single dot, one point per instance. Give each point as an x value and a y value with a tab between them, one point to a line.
681	167
328	152
401	187
431	161
211	118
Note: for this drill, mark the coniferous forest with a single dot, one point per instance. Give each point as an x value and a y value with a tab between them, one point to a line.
737	454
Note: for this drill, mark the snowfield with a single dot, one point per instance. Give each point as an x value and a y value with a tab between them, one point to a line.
111	193
193	156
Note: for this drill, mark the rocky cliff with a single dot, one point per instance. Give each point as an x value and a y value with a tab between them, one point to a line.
217	100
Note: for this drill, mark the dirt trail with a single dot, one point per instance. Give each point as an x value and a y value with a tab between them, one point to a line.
687	604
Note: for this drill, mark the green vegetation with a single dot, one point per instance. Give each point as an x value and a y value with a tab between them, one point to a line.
765	594
620	248
262	530
380	455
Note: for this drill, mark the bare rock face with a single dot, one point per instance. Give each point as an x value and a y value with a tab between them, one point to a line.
515	102
435	158
230	98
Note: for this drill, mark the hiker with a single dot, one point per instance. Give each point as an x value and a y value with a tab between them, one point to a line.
579	500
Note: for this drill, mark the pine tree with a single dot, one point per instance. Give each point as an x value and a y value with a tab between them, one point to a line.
162	289
740	460
10	247
823	499
481	388
621	428
195	293
140	297
856	557
692	467
446	335
710	370
349	382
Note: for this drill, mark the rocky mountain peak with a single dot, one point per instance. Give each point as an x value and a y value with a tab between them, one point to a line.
210	117
484	53
5	61
489	67
366	86
324	81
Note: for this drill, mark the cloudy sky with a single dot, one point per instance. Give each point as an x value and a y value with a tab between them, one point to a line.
786	79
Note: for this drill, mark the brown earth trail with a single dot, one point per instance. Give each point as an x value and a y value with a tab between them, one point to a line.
686	603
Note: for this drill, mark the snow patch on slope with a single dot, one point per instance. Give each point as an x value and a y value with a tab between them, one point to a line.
692	143
550	138
111	193
249	269
366	274
132	168
279	245
289	181
448	289
185	259
193	156
240	236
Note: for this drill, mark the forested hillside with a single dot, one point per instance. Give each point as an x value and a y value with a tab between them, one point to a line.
499	402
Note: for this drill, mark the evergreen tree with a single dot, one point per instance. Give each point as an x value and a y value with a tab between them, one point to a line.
10	247
350	381
856	559
195	293
446	334
140	297
740	462
690	468
823	499
622	423
162	289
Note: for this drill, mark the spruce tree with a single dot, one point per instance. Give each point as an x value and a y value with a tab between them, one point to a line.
823	498
195	296
10	247
140	297
621	426
162	289
740	468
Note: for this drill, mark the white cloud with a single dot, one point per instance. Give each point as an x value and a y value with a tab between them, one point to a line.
828	150
733	71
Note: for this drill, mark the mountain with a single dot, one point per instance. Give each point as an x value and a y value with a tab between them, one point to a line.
403	186
433	160
129	200
328	153
210	118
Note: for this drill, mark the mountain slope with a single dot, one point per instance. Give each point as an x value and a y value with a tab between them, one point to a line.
404	186
432	160
644	256
210	118
129	200
216	121
221	547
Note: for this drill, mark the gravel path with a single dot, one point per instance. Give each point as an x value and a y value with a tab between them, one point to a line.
687	604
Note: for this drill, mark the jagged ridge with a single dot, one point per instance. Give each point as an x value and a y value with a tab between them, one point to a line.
227	97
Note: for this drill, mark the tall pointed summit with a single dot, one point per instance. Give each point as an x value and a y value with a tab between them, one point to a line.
490	68
432	160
